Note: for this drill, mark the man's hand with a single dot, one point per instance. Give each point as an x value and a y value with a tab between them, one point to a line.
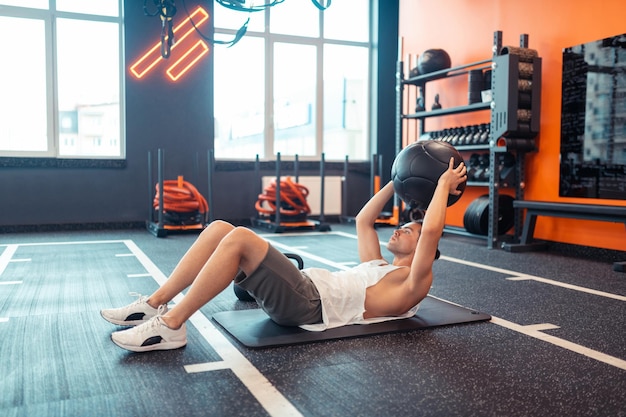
453	177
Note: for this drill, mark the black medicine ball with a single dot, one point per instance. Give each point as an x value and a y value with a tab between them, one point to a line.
416	171
433	60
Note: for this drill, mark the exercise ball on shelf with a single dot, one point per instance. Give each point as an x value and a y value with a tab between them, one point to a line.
416	171
433	60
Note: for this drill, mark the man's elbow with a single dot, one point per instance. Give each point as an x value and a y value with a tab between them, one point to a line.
362	220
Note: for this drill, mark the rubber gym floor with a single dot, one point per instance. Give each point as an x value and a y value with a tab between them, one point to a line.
556	344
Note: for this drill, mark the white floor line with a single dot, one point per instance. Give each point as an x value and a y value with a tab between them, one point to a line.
6	255
206	367
11	282
531	330
4	319
138	275
268	396
21	260
85	242
123	255
525	277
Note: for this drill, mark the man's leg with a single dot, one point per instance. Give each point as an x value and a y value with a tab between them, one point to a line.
239	249
185	272
192	262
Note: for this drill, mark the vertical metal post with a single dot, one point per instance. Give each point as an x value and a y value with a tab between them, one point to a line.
322	181
493	209
160	167
344	194
399	121
257	174
296	169
373	164
277	215
497	42
150	189
520	174
523	40
211	162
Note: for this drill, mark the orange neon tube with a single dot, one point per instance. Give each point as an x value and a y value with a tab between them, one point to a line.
153	56
178	68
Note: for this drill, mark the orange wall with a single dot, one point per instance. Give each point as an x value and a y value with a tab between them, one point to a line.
464	28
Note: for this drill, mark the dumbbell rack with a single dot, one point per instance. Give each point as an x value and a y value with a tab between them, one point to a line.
514	122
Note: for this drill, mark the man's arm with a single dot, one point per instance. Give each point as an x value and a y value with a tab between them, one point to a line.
367	238
432	227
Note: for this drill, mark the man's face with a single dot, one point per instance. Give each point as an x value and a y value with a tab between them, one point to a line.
404	238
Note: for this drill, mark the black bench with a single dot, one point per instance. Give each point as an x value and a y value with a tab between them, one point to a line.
574	211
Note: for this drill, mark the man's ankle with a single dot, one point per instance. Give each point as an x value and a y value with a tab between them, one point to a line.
170	323
151	304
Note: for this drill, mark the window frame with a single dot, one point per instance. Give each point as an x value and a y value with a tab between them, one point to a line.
270	39
49	17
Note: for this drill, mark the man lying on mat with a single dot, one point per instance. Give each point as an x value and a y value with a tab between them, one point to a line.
314	298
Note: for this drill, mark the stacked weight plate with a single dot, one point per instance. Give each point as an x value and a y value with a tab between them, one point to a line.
476	218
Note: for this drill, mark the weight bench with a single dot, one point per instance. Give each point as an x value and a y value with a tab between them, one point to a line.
567	210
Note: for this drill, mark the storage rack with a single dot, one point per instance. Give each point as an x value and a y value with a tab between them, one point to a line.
514	121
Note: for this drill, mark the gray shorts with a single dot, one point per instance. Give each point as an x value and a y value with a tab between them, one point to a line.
287	295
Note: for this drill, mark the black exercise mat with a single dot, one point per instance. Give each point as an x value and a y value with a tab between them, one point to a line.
253	328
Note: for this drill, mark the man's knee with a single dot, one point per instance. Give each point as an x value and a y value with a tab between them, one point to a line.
242	236
217	227
251	247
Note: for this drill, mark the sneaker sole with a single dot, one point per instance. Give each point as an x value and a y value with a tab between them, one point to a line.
158	346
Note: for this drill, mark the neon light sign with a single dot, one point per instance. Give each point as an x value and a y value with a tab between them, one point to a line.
188	58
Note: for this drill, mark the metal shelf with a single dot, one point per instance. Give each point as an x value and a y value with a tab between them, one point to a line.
478	183
483	147
420	80
452	110
503	137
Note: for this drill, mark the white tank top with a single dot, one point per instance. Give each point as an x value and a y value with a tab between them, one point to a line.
342	294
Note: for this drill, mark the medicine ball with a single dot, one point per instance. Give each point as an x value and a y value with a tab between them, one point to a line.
433	60
416	171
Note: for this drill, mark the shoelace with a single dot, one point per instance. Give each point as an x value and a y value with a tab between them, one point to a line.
153	322
140	297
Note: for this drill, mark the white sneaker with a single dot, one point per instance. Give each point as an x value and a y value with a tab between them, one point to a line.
152	335
133	314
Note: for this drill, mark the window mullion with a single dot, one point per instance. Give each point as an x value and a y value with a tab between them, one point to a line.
122	83
319	101
269	98
51	77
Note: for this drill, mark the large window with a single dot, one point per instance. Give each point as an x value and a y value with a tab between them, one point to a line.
62	88
297	83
